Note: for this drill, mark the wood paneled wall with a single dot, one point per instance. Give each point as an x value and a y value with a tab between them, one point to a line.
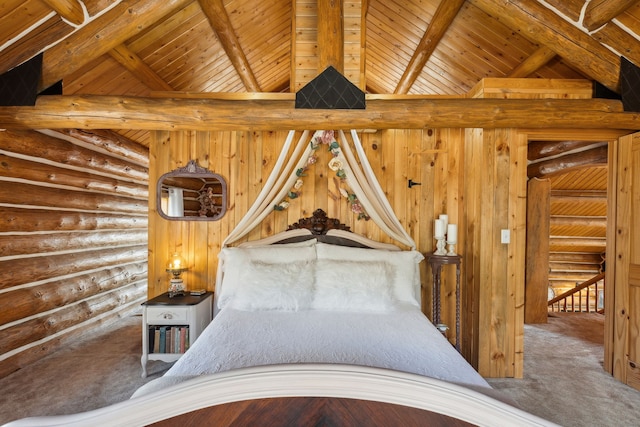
495	200
73	237
476	176
245	159
465	174
495	196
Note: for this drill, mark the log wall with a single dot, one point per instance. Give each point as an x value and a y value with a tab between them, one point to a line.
73	237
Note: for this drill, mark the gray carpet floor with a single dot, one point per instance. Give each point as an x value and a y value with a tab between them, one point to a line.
564	381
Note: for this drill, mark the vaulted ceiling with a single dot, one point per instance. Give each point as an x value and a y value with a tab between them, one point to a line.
432	47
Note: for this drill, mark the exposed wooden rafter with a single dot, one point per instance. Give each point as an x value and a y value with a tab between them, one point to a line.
599	12
138	68
442	19
119	24
71	10
221	24
537	150
330	35
535	61
543	26
613	35
572	161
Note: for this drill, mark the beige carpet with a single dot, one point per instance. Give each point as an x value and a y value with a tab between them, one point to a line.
564	381
96	371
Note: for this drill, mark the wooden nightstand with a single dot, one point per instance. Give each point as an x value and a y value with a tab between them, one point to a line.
171	325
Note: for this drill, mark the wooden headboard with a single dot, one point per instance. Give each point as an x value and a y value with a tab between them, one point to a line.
323	229
319	224
332	231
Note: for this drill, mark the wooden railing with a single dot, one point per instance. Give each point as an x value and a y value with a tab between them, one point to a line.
567	300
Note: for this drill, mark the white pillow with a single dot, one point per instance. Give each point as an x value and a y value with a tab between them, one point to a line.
405	285
281	286
353	285
234	260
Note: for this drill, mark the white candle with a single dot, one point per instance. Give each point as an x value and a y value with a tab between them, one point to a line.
452	233
439	229
445	219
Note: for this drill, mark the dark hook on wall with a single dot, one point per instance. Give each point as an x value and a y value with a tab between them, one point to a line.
411	183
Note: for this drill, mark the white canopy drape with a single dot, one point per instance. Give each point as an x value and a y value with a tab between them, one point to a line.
357	173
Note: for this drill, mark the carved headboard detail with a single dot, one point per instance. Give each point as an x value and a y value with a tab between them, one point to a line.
319	224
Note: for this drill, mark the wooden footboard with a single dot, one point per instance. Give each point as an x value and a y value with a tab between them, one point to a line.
301	394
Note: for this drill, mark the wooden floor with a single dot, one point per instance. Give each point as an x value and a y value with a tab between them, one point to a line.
312	411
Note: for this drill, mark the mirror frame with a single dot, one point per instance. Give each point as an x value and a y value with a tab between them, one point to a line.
191	170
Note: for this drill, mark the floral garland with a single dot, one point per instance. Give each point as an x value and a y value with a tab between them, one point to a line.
335	164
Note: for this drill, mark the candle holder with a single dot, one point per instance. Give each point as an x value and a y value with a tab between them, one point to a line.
440	246
442	328
451	252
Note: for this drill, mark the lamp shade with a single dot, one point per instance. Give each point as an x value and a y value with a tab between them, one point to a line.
176	264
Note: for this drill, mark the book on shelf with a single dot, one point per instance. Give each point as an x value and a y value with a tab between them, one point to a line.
183	335
163	339
156	344
152	338
168	339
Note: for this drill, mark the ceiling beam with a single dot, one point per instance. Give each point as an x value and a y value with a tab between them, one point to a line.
30	44
533	63
442	19
537	150
541	25
98	37
614	35
330	35
599	12
220	23
122	112
572	161
71	10
132	62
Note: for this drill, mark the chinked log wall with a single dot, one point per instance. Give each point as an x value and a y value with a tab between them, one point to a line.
73	237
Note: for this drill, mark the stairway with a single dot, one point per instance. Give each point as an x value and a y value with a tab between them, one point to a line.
586	297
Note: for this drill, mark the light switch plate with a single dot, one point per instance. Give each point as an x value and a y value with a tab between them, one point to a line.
505	236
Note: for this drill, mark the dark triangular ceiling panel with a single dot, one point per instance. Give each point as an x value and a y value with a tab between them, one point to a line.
630	85
19	86
330	90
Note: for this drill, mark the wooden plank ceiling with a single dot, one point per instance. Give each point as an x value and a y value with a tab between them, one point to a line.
430	47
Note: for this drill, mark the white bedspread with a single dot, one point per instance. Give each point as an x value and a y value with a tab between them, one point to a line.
403	340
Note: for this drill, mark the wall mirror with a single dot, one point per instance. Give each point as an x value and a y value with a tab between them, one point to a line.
191	193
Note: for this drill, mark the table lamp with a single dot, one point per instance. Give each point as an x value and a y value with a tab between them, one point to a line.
176	267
